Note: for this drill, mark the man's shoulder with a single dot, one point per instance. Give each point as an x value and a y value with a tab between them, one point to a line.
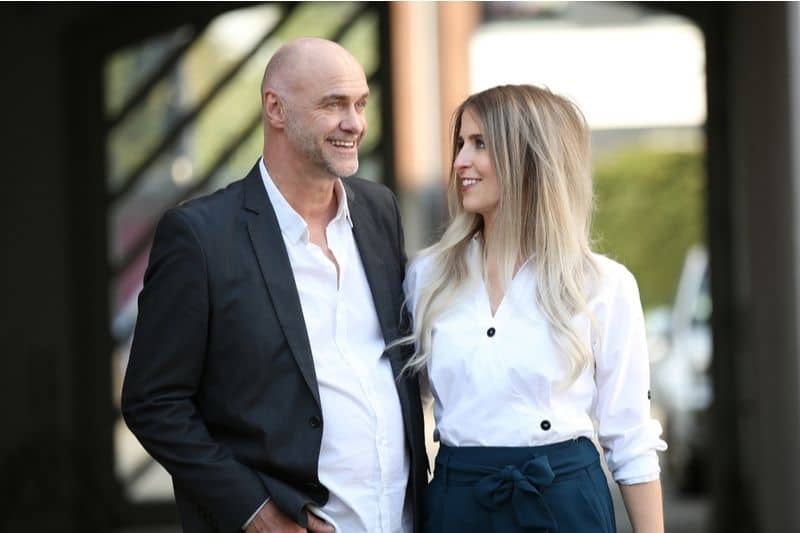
367	189
374	198
212	208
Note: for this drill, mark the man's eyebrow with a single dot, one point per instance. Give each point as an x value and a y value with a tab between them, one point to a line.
335	97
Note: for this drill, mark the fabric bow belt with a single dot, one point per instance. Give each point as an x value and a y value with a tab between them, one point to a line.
522	487
495	482
494	487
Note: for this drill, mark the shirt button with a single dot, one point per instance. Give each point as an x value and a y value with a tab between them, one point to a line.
314	421
490	332
545	425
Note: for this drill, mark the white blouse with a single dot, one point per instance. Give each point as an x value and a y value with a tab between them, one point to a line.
497	380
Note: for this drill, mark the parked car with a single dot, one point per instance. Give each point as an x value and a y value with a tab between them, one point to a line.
681	380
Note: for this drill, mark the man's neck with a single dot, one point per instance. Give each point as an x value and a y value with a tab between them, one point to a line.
313	196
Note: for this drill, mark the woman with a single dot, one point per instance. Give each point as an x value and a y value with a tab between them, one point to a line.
527	339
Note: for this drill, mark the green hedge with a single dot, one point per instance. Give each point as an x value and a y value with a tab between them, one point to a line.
649	212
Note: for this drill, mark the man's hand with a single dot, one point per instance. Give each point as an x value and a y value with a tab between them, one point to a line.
271	520
318	525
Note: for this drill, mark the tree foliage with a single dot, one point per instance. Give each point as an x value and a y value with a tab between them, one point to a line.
649	212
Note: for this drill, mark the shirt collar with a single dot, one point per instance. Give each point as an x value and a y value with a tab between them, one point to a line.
291	223
343	211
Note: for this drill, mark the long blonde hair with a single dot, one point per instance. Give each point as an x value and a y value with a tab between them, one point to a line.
539	147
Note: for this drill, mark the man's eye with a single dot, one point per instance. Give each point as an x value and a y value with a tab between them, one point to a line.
361	105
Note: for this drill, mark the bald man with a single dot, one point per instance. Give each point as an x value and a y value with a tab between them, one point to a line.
259	374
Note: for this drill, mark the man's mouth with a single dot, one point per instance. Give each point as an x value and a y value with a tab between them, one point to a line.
342	144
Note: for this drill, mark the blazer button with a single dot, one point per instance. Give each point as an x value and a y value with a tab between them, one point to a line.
545	425
314	421
490	332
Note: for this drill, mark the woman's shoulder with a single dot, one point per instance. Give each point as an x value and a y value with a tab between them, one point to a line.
613	276
420	261
417	276
608	266
419	268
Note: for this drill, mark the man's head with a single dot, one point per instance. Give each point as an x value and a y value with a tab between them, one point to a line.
314	95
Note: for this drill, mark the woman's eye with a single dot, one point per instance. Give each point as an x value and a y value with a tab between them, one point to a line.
479	144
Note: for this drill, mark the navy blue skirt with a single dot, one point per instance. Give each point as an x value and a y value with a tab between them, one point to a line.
545	489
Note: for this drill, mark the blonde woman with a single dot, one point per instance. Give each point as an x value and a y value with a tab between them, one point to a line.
531	344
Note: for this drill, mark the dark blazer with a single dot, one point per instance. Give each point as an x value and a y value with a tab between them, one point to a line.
220	387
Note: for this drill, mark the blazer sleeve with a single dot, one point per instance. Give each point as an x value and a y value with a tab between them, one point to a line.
164	372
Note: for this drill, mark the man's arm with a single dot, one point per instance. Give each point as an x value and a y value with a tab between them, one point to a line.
269	519
164	372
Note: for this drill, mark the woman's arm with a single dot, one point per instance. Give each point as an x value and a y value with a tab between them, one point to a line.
626	430
644	505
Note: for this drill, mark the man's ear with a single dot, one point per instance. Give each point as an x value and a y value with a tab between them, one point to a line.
272	107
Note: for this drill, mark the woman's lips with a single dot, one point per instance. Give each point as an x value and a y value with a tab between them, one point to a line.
468	183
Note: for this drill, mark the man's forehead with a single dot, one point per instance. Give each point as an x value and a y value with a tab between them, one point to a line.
326	83
341	92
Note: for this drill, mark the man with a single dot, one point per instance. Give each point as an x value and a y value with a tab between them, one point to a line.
258	374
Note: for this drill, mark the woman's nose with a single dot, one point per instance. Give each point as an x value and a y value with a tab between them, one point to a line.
462	159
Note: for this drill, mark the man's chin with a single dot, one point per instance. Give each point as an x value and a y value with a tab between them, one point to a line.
344	171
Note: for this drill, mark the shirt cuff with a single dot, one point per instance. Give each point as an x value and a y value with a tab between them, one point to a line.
639	470
252	516
641	479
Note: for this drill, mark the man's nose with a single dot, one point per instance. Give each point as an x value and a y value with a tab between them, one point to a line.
353	121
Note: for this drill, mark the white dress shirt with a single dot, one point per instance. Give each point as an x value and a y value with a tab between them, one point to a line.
497	380
363	460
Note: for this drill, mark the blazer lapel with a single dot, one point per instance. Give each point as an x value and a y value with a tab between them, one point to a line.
273	260
371	248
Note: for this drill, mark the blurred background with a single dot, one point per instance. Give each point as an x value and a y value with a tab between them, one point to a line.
114	113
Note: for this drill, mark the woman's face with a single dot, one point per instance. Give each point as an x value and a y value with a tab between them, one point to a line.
475	175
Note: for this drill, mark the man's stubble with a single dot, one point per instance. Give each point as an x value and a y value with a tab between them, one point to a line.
304	142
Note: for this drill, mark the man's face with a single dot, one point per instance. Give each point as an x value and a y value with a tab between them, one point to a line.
326	121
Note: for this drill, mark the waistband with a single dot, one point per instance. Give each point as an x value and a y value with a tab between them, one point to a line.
467	463
518	475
